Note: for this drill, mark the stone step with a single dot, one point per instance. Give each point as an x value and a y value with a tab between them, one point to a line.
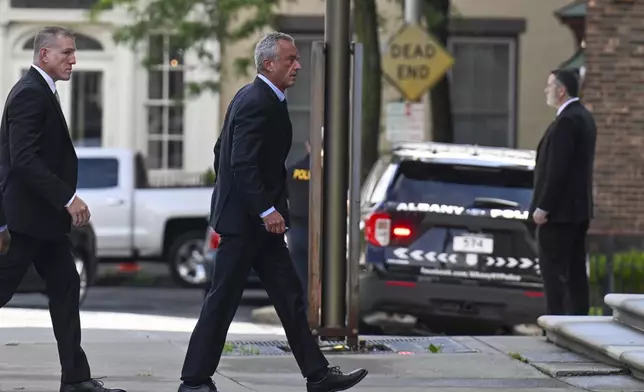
634	361
628	309
599	337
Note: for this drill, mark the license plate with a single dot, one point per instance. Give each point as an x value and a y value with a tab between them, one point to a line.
473	244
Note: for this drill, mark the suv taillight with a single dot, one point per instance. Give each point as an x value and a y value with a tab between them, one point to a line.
381	231
377	229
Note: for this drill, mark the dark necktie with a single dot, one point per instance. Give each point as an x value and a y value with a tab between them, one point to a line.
57	96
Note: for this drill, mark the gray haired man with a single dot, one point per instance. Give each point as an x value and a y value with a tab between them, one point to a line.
38	202
250	212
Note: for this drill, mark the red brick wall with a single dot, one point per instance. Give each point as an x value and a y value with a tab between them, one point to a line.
614	92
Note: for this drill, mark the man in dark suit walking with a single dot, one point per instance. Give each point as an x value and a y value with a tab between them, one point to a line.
250	212
38	203
562	204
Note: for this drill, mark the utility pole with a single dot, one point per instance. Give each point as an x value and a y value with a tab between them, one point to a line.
333	280
336	162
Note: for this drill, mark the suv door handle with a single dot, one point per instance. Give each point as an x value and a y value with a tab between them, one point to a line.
113	201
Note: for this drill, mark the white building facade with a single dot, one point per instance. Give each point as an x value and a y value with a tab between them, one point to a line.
112	100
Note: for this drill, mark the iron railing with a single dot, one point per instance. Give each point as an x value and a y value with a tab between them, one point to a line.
612	271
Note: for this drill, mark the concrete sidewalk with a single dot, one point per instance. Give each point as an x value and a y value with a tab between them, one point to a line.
141	361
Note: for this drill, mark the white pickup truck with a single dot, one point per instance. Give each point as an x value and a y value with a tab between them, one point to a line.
133	221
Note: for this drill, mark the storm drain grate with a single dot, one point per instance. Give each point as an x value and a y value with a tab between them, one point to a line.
371	345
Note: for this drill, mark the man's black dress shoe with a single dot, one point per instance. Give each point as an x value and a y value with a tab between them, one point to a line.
336	381
88	386
209	386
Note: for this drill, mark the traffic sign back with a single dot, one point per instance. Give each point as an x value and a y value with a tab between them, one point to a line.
415	61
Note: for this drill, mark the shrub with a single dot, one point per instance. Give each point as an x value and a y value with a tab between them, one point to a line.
208	178
627	272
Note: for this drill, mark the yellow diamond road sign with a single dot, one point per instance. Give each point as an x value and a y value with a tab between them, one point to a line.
415	62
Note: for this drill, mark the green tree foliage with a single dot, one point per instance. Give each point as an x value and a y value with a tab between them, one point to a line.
194	25
436	15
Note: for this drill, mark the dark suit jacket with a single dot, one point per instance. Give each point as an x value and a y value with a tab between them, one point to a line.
249	160
38	163
563	178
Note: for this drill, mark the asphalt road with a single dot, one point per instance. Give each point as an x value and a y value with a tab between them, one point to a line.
149	292
154	301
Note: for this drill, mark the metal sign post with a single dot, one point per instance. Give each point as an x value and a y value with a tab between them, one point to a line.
335	162
316	182
353	301
317	213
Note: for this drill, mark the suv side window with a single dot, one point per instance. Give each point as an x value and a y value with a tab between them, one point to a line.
379	193
372	180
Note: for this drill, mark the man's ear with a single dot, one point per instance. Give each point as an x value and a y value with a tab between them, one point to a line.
42	54
268	66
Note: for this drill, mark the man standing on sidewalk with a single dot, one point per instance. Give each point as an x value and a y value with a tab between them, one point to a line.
38	203
250	212
562	202
299	177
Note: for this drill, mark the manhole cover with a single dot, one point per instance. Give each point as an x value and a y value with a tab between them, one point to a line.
371	345
434	344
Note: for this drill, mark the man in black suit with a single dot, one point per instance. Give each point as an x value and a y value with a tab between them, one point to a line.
250	212
298	179
38	203
562	203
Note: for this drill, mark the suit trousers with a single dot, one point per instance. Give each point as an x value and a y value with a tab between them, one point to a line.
562	259
268	255
54	262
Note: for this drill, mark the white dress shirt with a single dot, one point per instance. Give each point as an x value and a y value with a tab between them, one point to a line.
568	102
281	97
48	79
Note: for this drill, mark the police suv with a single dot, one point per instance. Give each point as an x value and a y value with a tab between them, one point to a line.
449	236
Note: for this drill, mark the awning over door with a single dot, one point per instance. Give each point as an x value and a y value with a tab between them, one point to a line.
577	60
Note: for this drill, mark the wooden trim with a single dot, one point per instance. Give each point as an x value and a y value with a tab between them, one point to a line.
498	27
303	24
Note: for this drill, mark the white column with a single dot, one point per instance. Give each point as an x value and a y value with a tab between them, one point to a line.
201	118
122	93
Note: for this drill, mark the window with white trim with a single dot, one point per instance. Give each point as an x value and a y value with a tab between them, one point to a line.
59	4
483	85
164	106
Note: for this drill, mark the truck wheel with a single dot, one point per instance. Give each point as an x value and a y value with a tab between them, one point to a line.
185	260
83	273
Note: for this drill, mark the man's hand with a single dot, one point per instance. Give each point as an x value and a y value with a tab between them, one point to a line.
5	241
79	212
274	223
540	216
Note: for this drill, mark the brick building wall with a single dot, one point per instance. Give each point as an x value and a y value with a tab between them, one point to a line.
614	92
